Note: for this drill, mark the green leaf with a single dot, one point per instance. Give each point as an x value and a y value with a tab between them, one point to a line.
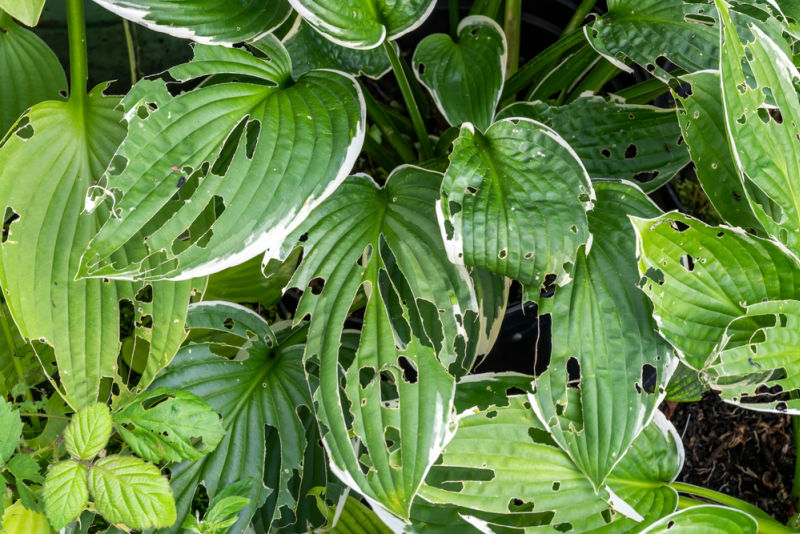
473	68
11	424
19	520
514	202
350	516
703	126
685	385
246	282
88	431
24	468
169	425
263	386
706	519
204	21
310	50
66	492
700	278
386	241
32	371
363	24
627	142
31	71
649	31
132	492
602	322
25	11
187	174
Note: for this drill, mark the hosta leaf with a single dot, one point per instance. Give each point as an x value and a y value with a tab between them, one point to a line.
473	67
247	282
25	11
762	114
514	202
132	492
88	432
627	142
397	389
219	174
703	126
363	24
602	323
205	21
66	492
354	517
169	425
700	278
311	50
260	394
31	71
706	519
649	31
685	385
19	520
11	423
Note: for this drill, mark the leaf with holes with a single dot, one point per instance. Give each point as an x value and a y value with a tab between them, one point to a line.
66	492
473	68
514	202
204	21
247	282
363	24
607	344
224	172
685	385
627	142
706	519
700	278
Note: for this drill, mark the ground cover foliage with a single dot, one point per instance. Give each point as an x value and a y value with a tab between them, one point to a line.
152	377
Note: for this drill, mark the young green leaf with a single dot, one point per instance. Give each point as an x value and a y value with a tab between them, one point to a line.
19	520
464	77
514	202
11	424
24	468
705	519
131	492
66	492
88	431
169	425
25	11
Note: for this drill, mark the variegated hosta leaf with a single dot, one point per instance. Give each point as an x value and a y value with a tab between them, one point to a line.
311	50
763	122
514	202
218	174
602	322
363	24
626	142
264	385
703	125
204	21
766	357
31	71
480	473
247	282
395	403
40	256
700	278
685	385
464	77
705	519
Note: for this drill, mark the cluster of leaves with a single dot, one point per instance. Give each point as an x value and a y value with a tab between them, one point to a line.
134	225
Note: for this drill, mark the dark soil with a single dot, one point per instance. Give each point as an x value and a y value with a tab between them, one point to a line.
742	453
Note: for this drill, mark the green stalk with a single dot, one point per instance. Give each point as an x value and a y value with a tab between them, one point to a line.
454	17
765	525
384	122
721	498
579	16
426	149
542	63
646	91
131	51
512	26
78	62
597	78
379	154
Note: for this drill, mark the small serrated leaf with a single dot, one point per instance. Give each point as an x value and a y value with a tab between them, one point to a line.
24	467
65	492
88	432
11	424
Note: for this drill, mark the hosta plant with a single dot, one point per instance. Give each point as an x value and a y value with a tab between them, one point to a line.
253	293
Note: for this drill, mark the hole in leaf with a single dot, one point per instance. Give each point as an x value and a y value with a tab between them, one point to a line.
679	226
687	262
145	294
606	153
316	285
630	152
409	370
228	323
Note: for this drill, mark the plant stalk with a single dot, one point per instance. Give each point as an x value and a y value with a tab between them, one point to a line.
426	149
579	16
387	127
765	525
721	498
78	62
512	26
131	52
454	18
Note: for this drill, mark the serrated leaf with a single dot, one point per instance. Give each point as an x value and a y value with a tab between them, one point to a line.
31	71
25	11
24	468
311	50
700	278
263	386
473	67
514	202
706	519
627	142
210	152
204	21
11	423
88	432
19	520
169	425
602	322
363	24
129	491
66	492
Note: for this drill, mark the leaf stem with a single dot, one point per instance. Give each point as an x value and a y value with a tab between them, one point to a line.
765	525
78	62
387	127
721	498
512	27
579	16
426	149
131	52
454	18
